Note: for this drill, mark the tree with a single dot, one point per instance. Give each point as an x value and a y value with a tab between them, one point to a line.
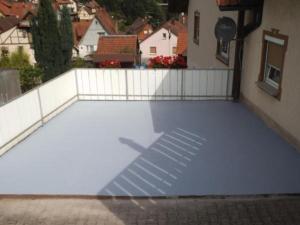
30	77
47	41
19	59
66	34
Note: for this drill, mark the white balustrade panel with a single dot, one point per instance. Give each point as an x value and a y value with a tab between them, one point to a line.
95	84
57	92
19	115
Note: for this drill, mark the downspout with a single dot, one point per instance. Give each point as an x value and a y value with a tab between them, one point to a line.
242	32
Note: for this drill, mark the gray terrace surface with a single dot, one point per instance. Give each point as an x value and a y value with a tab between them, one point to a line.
157	148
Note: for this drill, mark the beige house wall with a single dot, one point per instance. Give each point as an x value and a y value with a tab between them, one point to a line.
14	38
204	54
283	114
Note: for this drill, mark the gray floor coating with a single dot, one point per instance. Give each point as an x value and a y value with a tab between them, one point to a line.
152	149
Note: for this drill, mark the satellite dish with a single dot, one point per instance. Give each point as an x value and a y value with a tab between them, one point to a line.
225	29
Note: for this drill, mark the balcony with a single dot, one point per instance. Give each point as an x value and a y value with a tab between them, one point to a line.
93	132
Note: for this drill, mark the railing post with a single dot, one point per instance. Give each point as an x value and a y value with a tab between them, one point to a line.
126	84
227	84
40	106
76	80
182	84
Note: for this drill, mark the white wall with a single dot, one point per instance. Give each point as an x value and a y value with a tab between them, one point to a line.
14	38
163	46
204	54
91	38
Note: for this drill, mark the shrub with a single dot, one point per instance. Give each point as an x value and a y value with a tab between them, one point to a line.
176	62
30	77
110	64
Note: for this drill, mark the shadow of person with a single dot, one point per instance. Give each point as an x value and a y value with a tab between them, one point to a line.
132	144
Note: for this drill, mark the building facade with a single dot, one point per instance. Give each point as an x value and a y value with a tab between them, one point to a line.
270	81
202	44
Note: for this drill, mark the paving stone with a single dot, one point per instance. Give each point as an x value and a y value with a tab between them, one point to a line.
253	211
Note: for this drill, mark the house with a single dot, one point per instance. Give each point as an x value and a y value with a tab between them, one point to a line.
88	10
17	9
70	4
182	44
101	25
204	51
267	70
122	48
79	30
13	35
163	41
141	28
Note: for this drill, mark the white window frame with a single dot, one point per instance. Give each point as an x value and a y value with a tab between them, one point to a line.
268	66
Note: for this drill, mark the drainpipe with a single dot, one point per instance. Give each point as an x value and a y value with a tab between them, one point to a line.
242	32
238	60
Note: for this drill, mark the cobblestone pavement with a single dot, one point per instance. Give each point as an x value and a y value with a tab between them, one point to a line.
199	211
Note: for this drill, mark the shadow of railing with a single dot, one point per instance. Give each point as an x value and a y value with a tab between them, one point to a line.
155	172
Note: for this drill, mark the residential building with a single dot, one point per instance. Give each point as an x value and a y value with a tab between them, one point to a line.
204	51
162	42
17	9
88	10
141	28
79	30
101	25
270	69
122	48
13	35
70	4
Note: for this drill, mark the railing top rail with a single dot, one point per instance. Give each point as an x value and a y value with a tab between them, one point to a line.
188	69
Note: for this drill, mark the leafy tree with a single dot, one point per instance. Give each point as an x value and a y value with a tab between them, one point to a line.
129	10
66	33
4	61
47	41
80	63
19	59
30	77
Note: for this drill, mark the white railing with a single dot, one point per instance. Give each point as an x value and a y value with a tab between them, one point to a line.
22	116
161	84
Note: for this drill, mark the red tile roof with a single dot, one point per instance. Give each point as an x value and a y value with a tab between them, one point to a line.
17	9
117	47
182	43
63	2
7	23
227	2
105	19
173	26
79	30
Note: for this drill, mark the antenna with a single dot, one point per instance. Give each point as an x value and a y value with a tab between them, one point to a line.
225	29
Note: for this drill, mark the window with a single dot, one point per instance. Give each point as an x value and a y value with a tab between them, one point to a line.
90	48
4	52
273	54
164	36
223	51
196	27
145	31
153	50
174	50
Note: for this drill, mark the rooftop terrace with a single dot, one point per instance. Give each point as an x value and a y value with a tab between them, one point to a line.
145	138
